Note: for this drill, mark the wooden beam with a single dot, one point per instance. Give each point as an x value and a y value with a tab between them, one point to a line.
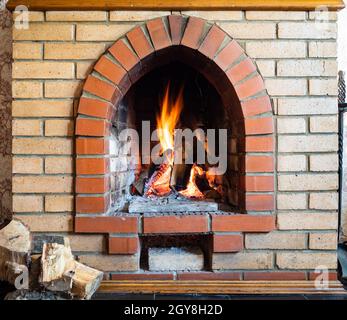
220	287
46	5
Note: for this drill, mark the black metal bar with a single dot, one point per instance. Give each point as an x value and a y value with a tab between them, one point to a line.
342	108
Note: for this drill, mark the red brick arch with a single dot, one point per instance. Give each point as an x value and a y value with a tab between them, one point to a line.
221	60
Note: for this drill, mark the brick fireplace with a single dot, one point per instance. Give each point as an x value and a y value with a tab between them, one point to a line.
76	75
224	63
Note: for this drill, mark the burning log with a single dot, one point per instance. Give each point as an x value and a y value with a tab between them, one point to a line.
192	190
187	180
180	172
138	187
202	182
159	182
180	177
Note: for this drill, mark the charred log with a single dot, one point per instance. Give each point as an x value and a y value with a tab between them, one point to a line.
158	183
180	176
138	187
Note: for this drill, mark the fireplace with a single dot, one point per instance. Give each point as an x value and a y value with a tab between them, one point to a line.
92	87
169	97
175	73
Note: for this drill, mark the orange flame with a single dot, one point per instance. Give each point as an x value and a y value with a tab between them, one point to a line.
168	119
192	191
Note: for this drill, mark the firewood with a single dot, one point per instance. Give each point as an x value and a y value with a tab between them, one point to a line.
180	176
158	183
139	184
55	260
85	280
159	175
180	172
64	284
61	272
15	243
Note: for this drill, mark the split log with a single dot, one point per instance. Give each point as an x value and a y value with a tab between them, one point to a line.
85	280
61	272
158	183
15	244
55	261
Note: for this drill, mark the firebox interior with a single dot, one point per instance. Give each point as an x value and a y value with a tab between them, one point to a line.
202	108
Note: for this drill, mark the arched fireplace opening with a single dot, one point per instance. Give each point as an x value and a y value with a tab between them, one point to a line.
141	185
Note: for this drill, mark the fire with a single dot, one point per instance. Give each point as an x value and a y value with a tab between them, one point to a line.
168	118
160	183
192	190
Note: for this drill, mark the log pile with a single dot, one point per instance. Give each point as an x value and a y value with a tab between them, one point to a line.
55	270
